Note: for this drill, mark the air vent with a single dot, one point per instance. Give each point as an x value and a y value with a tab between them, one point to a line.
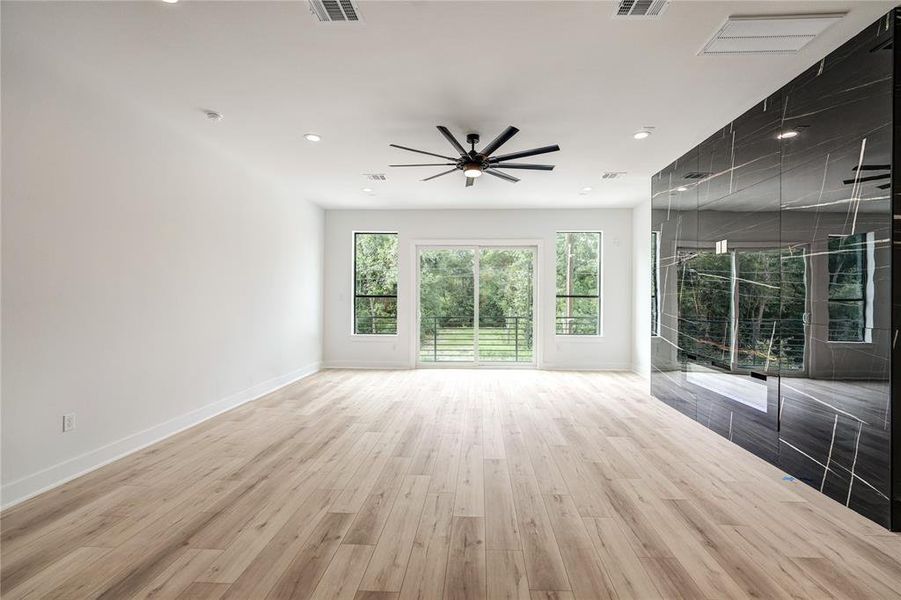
696	175
613	174
641	8
335	11
783	34
375	176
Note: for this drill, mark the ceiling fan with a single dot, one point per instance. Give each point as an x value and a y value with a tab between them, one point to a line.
473	163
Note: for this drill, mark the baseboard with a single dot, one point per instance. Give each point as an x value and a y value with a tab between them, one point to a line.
641	370
29	486
368	364
601	367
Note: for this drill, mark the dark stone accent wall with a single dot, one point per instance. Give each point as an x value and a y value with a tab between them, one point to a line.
775	285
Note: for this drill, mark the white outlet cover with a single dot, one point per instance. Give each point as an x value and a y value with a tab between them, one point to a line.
68	422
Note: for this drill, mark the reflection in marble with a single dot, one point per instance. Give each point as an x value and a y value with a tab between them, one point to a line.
775	282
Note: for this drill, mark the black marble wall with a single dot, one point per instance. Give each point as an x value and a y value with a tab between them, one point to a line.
774	282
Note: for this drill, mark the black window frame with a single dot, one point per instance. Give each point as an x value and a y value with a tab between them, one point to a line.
597	295
357	295
862	299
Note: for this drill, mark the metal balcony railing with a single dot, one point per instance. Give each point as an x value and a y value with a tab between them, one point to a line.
453	339
577	326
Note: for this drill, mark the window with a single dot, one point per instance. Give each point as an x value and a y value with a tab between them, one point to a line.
848	278
655	284
578	283
375	283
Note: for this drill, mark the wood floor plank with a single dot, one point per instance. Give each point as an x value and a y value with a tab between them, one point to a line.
584	569
469	495
386	569
552	595
261	575
434	484
544	564
427	566
370	519
342	578
466	577
507	575
179	576
501	529
201	590
47	580
624	567
302	575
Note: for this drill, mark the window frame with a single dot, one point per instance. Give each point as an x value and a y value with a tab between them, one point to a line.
655	284
866	287
600	289
354	295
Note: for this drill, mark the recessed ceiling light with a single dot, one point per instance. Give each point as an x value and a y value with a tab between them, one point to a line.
170	1
641	134
312	137
367	190
787	134
681	188
586	189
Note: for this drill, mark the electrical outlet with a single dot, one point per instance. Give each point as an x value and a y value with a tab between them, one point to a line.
68	422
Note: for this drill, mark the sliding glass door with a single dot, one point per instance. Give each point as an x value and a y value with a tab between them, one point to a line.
447	304
476	305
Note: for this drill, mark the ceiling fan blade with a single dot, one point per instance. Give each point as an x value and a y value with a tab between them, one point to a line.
509	178
526	166
440	174
470	181
423	152
500	140
450	137
426	165
525	153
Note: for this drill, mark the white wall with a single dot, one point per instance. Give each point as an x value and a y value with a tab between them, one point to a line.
641	284
149	280
613	350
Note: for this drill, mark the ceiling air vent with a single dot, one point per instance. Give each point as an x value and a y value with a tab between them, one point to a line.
375	176
641	8
780	34
697	175
613	174
335	11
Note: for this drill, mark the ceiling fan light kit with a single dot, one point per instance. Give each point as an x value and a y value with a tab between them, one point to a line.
474	162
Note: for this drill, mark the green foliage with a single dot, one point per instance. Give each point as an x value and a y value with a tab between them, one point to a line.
578	274
375	283
447	302
847	287
770	285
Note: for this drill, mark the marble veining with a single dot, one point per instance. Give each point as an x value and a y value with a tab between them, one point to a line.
774	284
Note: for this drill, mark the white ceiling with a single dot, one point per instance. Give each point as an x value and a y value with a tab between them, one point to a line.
562	72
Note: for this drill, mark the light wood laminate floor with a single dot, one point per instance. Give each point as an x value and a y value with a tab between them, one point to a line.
383	485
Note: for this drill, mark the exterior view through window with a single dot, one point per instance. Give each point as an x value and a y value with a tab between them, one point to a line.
475	304
729	307
375	283
848	278
578	283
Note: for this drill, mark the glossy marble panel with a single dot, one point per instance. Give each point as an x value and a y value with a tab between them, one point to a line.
776	301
